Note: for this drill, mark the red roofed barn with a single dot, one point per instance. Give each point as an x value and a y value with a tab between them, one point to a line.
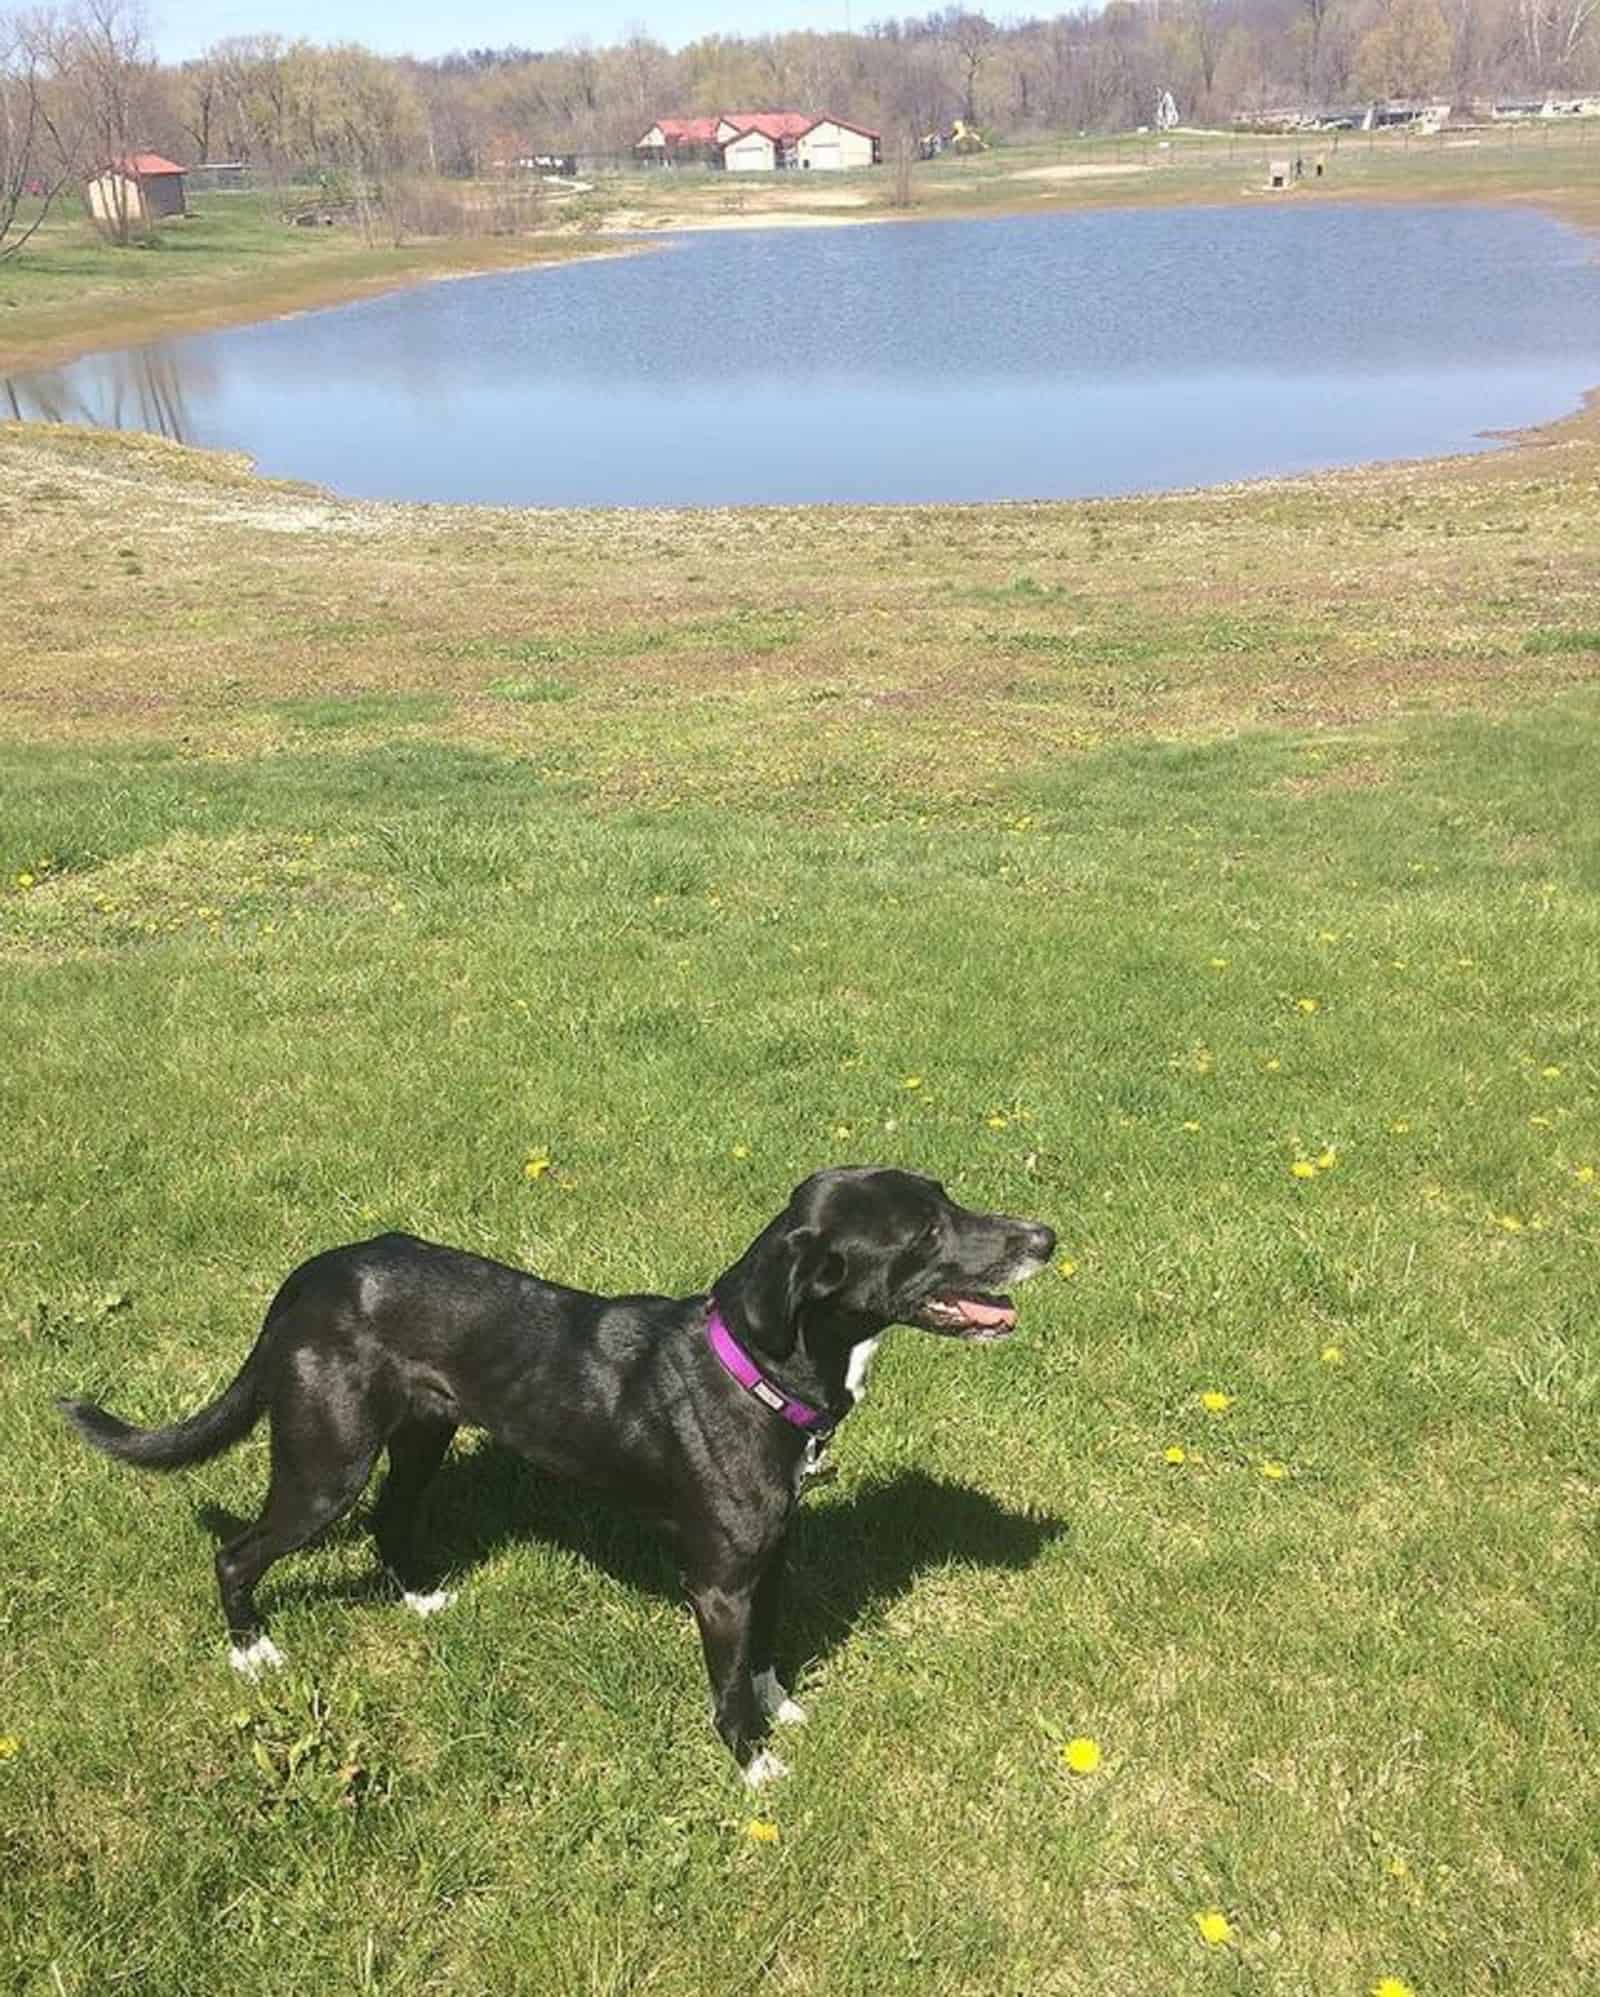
760	142
144	187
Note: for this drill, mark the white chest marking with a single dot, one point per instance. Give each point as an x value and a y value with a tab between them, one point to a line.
861	1358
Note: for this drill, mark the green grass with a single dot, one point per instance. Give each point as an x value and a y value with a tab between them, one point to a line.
696	851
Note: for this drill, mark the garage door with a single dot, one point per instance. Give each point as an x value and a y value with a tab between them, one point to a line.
826	156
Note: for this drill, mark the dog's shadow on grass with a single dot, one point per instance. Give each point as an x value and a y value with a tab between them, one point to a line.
850	1554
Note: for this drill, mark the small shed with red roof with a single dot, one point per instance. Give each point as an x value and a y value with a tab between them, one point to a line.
144	187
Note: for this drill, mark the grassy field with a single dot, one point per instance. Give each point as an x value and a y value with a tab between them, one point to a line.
1215	876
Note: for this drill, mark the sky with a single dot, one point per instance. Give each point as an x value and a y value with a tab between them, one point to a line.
182	28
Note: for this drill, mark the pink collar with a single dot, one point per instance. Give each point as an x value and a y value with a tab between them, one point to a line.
744	1369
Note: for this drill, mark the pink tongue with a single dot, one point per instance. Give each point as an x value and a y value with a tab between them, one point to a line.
982	1316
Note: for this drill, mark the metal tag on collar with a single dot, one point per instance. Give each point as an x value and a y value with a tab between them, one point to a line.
768	1396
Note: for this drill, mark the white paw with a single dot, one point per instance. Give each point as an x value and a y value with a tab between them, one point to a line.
250	1660
765	1768
430	1604
776	1703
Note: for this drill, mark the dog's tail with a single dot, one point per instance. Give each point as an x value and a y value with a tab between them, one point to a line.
205	1434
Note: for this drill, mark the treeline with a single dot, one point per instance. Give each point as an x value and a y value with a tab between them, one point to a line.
85	83
1090	70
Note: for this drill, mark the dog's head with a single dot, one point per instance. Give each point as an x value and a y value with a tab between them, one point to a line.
860	1248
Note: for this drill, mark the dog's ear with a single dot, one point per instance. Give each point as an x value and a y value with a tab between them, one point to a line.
763	1294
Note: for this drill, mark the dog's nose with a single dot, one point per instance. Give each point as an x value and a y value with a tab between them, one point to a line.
1041	1241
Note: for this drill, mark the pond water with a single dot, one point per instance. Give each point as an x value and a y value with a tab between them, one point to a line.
1047	356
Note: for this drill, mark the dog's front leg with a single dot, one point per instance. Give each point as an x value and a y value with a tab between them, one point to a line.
722	1608
771	1695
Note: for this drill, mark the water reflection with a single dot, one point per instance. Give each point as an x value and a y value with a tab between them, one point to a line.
143	388
1050	356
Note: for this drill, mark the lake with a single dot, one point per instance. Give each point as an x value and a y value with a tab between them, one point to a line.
1036	357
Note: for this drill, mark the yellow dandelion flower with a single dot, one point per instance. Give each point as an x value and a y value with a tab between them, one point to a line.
1510	1223
1332	1355
1176	1454
1550	1072
1191	1126
1302	1168
1398	1869
1327	935
536	1167
997	1121
1065	1266
741	1151
1275	1471
841	1131
1326	1160
1400	963
1219	963
1215	1928
1272	1064
1082	1755
1584	1175
1309	1005
1400	1127
911	1082
761	1831
24	881
1391	1986
10	1747
1540	1122
1216	1403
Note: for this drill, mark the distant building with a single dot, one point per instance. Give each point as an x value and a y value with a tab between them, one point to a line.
830	145
681	141
217	176
753	151
760	142
144	187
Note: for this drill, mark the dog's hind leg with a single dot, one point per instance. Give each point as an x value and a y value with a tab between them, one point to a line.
416	1449
317	1475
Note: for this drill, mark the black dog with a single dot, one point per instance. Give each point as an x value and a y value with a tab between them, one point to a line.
707	1412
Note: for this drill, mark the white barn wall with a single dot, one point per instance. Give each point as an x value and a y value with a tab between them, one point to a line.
828	146
754	153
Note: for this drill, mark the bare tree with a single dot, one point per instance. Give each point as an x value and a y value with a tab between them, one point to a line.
973	37
200	96
1407	53
40	147
1572	24
108	66
645	63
